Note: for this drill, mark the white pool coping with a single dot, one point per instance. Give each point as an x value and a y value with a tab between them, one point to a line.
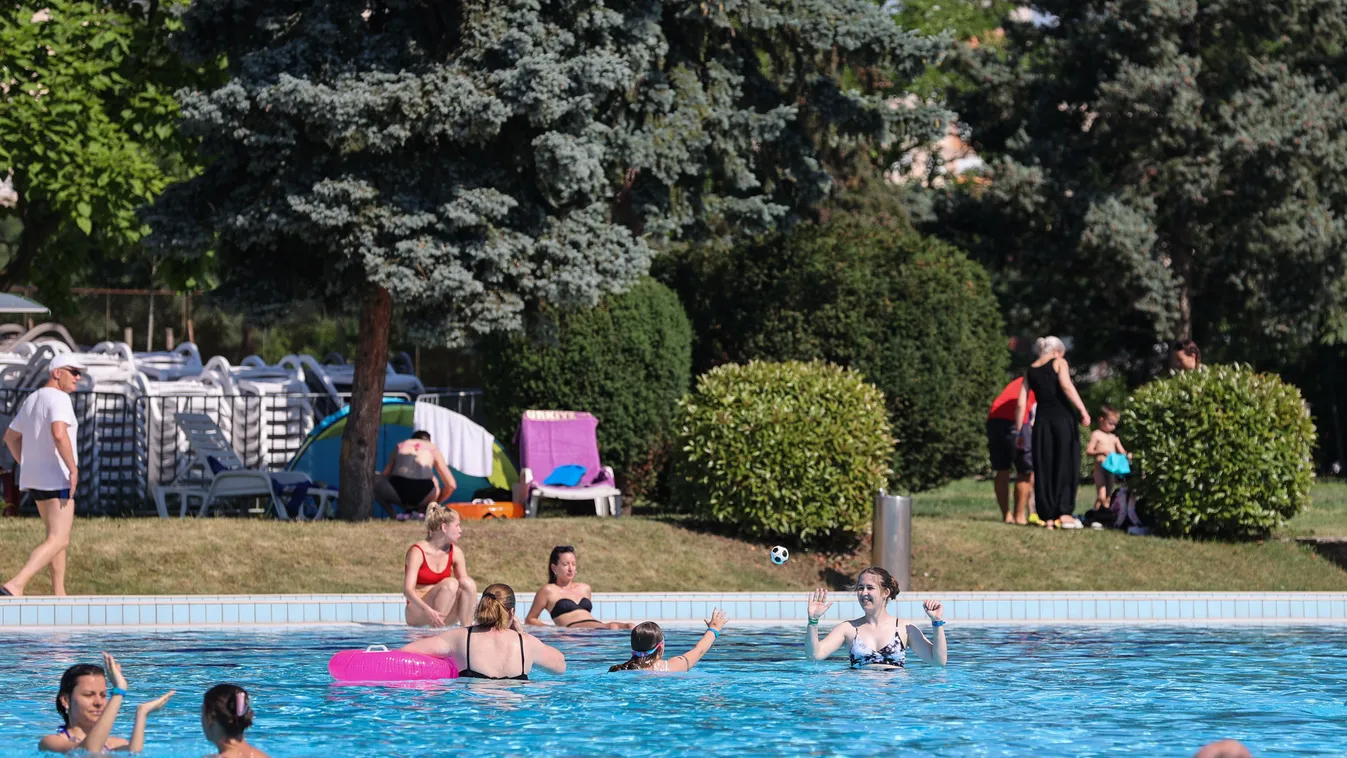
1027	608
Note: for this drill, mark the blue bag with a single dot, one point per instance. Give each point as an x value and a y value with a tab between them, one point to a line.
1117	464
565	476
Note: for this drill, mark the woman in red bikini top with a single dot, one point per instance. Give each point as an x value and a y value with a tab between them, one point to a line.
436	582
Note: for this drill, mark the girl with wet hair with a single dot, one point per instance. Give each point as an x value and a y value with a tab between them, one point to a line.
226	712
875	640
568	602
647	647
89	708
496	646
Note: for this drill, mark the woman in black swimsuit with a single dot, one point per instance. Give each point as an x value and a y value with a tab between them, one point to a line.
495	647
568	602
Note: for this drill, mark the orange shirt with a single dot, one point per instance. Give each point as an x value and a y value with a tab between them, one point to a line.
1003	407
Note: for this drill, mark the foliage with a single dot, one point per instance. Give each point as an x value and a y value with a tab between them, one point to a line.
1224	452
1162	169
87	126
480	158
627	361
913	315
790	450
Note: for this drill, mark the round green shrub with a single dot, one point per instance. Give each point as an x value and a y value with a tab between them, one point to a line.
915	316
789	450
627	361
1223	452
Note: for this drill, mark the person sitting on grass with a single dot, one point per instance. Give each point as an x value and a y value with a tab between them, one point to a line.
226	712
89	708
647	647
409	478
570	603
435	580
875	640
1103	443
502	646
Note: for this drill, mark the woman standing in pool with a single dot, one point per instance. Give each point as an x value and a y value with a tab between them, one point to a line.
89	708
876	639
568	602
503	650
647	647
226	712
435	580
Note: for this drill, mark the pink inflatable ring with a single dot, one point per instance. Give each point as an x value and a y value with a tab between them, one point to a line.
379	664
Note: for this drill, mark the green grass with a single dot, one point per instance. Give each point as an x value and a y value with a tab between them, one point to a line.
959	543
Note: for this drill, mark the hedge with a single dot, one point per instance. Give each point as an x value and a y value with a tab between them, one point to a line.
627	361
794	451
1223	452
915	316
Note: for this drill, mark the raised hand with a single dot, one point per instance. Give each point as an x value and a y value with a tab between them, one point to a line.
818	603
717	621
150	706
114	670
934	610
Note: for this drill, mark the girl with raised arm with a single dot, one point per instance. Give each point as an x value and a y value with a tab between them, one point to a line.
876	640
89	708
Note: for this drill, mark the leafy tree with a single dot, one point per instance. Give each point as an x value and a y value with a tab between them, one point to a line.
87	129
470	160
1162	169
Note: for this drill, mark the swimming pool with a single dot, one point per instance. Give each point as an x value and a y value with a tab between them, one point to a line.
1009	691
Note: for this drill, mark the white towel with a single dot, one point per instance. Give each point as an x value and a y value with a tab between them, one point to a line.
466	446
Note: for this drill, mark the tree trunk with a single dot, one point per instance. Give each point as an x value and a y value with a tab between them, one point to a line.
361	437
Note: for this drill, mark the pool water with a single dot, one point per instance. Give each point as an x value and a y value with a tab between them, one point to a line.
1008	691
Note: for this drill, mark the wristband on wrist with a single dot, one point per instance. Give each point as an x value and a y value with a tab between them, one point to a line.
937	623
115	691
813	621
712	631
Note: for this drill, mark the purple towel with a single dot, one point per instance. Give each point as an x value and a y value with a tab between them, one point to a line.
548	439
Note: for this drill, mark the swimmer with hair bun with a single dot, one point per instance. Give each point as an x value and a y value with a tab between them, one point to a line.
226	712
496	646
876	640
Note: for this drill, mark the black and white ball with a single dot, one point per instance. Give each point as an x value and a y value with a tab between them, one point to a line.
780	555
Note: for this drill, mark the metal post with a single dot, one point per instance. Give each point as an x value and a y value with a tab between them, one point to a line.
892	538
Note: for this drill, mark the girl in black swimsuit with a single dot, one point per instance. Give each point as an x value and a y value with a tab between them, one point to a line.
503	650
566	600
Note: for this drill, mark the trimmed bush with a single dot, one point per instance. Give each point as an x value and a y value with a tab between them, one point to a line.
915	316
1224	452
627	361
791	450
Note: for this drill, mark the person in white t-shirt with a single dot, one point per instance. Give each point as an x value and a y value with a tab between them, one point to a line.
42	439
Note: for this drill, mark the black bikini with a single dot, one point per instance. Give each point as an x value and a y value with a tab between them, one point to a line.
468	673
567	605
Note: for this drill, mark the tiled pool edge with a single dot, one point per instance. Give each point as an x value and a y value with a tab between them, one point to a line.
972	607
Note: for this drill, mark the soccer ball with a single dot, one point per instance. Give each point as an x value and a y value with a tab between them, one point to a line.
780	555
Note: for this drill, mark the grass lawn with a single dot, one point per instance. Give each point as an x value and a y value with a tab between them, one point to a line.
959	544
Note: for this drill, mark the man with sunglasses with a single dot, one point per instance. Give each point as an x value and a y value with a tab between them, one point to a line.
42	439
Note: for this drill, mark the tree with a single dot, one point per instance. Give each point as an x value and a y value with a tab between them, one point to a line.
469	160
87	129
1162	169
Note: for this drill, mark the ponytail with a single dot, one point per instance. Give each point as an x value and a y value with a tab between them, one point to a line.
646	638
496	608
229	706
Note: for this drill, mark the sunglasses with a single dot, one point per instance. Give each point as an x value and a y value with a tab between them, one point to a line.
72	371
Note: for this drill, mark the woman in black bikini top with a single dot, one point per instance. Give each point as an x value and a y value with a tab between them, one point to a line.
498	636
559	596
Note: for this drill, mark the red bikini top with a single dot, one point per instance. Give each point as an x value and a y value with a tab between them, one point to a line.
427	576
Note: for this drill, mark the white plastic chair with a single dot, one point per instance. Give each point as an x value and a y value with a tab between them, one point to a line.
205	440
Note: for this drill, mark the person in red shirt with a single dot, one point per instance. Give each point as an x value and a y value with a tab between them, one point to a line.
1001	446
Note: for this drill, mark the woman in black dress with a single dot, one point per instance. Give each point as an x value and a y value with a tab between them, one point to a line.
1056	438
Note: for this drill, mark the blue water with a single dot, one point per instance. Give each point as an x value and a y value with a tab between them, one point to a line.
1008	691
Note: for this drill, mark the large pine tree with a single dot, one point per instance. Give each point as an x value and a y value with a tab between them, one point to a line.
1161	169
468	158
